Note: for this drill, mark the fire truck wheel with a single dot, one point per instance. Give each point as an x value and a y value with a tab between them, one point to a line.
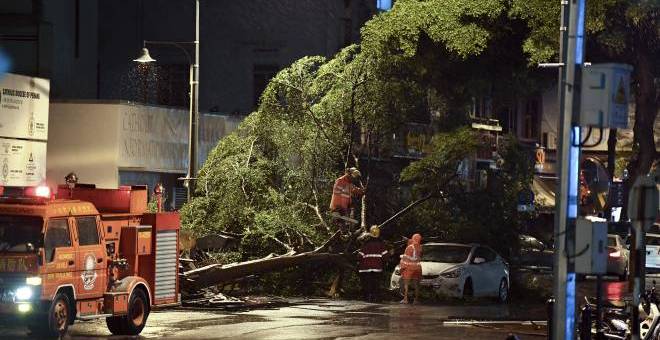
115	325
56	321
135	320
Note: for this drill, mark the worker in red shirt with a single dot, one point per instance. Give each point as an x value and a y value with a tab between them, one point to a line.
345	188
372	256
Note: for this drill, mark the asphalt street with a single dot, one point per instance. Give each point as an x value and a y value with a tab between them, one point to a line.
329	319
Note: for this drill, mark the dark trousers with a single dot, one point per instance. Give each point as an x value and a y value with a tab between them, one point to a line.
371	285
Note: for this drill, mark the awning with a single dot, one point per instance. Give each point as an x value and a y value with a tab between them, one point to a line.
544	192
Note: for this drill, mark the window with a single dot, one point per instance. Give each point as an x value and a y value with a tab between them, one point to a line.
88	234
530	119
445	254
485	253
18	232
57	236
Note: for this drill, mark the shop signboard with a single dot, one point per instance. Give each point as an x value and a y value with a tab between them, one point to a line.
22	162
24	107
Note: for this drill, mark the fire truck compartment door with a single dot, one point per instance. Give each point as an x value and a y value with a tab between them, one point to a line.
91	266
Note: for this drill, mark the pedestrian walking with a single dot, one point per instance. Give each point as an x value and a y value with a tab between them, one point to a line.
411	267
372	256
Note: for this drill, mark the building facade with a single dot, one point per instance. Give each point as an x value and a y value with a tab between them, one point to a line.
115	123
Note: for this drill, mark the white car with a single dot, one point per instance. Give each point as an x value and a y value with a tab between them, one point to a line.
461	270
652	253
618	254
652	242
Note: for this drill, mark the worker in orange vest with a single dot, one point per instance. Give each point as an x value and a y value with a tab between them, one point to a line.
345	188
411	267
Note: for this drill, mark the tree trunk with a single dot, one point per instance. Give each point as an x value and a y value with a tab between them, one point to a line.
646	109
611	165
215	274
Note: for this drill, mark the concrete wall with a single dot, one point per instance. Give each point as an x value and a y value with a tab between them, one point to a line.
53	39
98	140
83	139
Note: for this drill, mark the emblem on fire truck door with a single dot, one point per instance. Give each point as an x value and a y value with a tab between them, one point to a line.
89	274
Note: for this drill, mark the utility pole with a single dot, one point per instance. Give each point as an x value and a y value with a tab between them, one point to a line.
571	60
194	113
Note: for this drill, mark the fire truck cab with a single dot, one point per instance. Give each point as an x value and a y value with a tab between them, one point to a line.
85	253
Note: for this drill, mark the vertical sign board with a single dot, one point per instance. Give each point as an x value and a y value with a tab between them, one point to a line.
22	163
24	107
23	130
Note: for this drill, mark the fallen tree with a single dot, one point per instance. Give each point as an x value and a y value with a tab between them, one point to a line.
215	274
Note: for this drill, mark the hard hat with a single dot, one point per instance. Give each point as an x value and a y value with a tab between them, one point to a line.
354	172
71	178
374	231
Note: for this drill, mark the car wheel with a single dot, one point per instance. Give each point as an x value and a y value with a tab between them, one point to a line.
468	290
503	291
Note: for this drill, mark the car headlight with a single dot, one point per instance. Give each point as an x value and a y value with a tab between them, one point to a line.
33	281
453	273
23	293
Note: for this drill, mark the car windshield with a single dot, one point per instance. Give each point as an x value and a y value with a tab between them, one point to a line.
445	254
652	241
611	241
17	233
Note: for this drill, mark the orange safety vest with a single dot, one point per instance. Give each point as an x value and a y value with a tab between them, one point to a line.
412	257
342	192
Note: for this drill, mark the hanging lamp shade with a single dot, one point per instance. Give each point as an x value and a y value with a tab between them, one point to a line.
145	57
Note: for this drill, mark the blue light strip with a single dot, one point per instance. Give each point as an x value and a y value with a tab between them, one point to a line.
5	63
573	172
570	306
384	5
579	35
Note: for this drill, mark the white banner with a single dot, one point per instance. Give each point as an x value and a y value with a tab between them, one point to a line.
156	138
24	107
22	163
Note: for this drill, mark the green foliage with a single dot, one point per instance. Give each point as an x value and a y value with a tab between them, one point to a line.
486	215
271	180
458	24
433	173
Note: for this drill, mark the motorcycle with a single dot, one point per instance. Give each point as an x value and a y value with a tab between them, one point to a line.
617	321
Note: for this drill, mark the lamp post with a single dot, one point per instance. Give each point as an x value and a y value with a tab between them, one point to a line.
194	97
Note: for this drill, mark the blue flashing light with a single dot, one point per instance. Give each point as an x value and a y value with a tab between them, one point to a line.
384	5
570	306
5	63
579	35
573	173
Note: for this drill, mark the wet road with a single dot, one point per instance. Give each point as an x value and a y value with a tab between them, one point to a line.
327	319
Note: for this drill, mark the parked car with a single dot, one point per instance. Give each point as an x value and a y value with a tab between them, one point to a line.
531	243
618	254
461	270
652	265
652	242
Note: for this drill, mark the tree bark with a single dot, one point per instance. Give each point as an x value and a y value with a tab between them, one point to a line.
215	274
646	109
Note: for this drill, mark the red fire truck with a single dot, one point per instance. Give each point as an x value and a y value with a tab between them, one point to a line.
85	253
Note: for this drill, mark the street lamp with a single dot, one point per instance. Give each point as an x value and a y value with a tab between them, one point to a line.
145	57
194	97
